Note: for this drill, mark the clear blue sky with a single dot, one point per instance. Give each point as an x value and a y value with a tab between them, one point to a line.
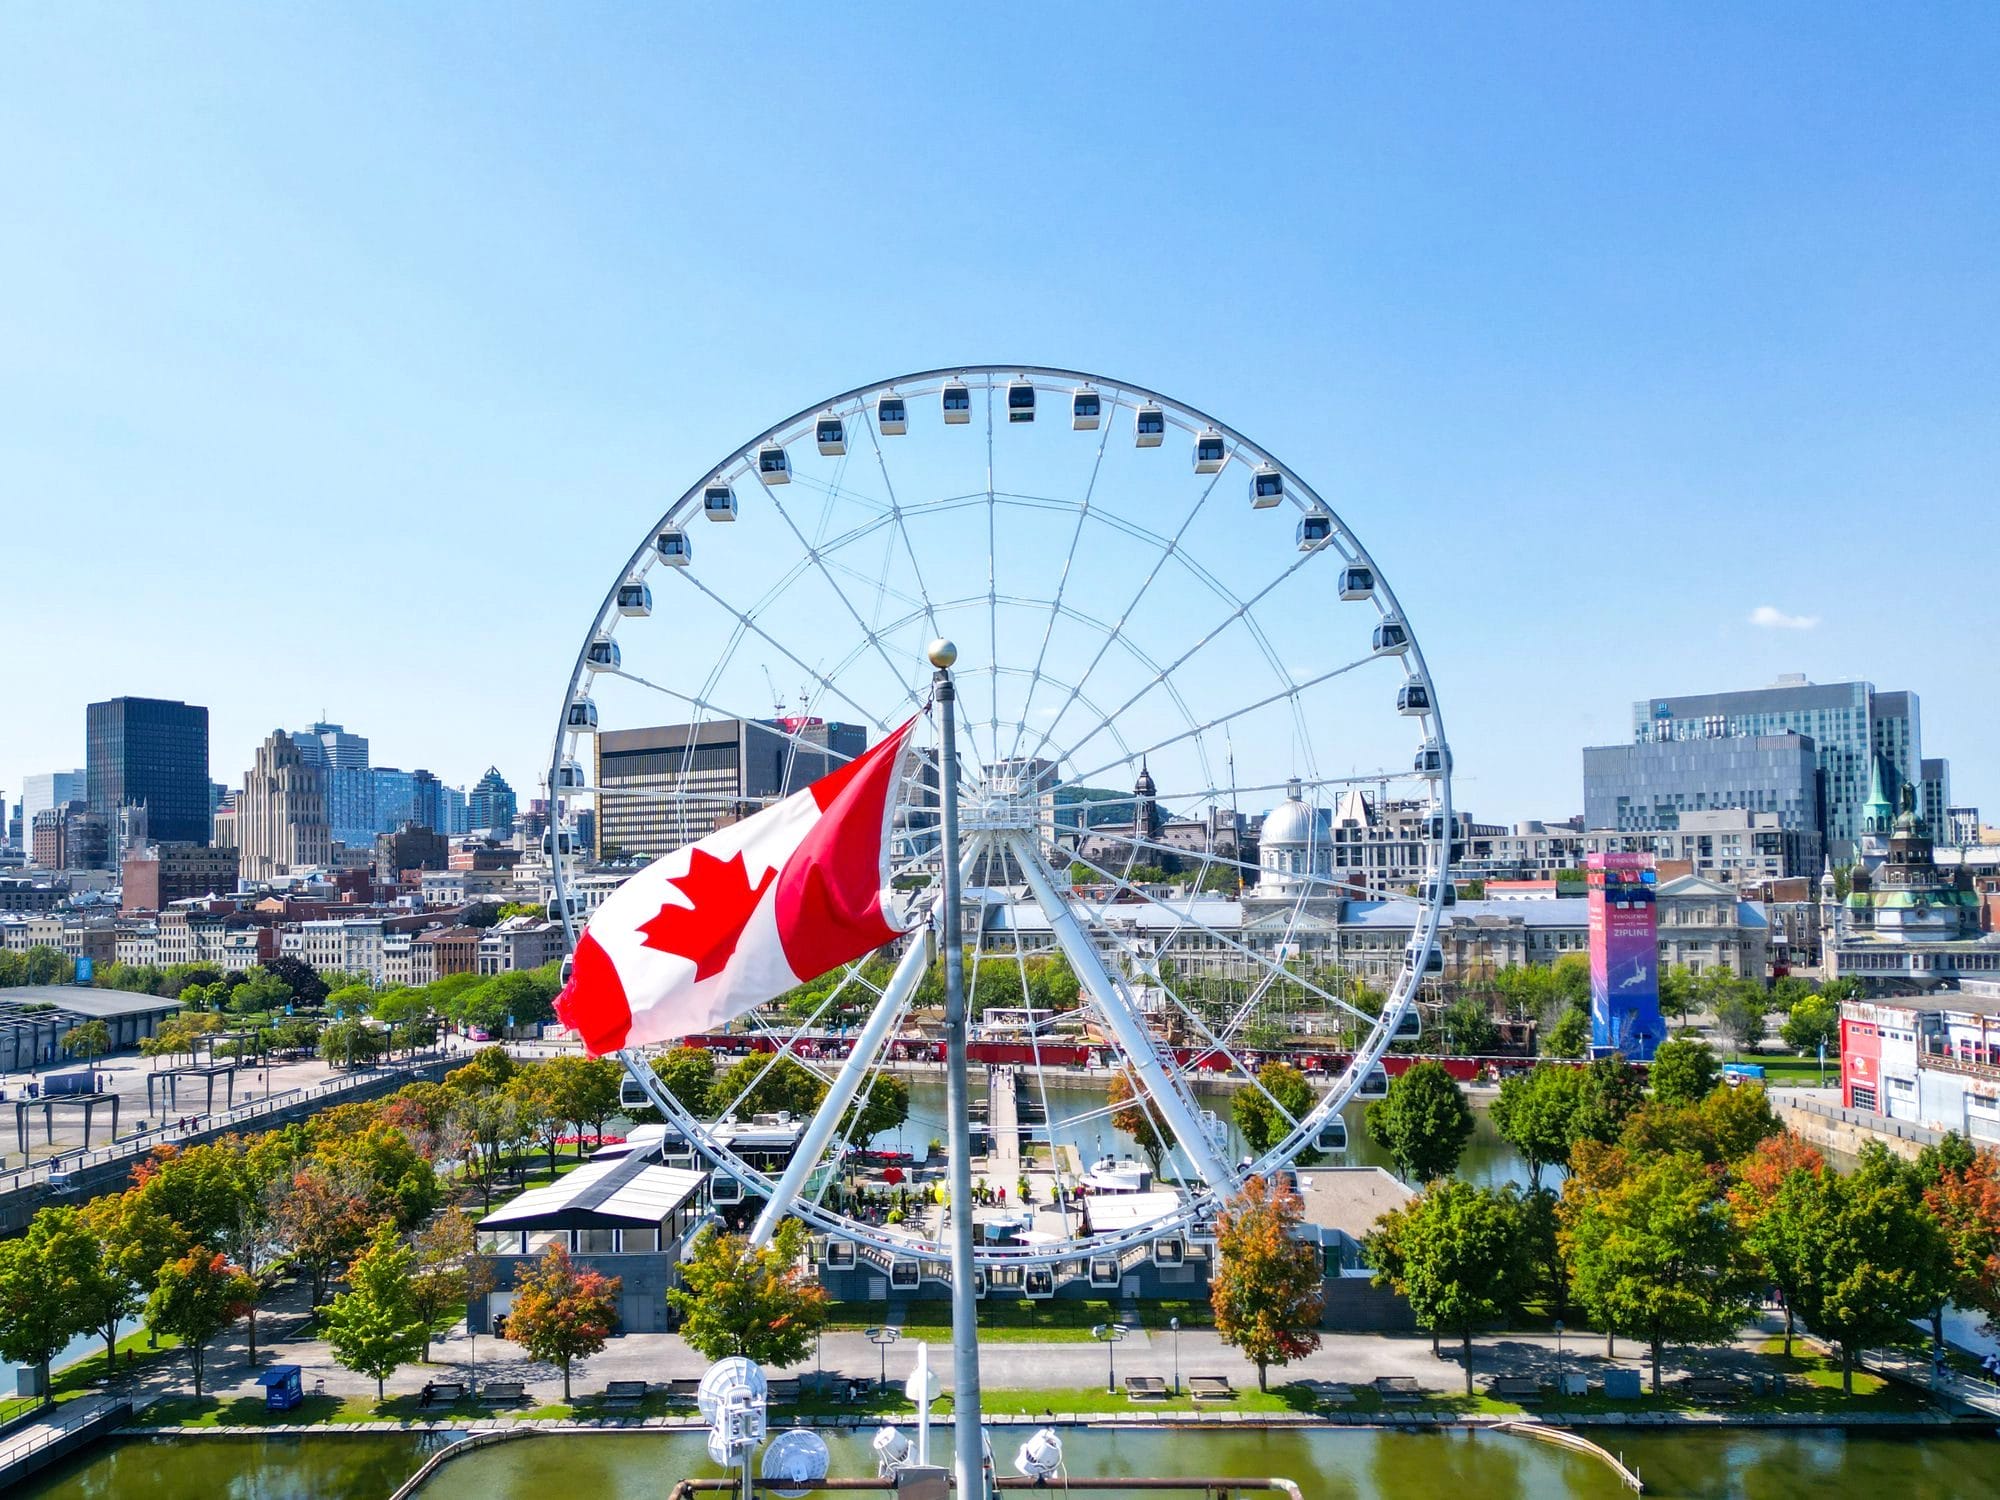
345	350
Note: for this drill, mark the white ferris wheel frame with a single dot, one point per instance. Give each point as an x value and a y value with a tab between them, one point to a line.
1107	994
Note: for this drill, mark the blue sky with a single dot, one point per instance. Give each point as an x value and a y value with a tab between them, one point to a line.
345	351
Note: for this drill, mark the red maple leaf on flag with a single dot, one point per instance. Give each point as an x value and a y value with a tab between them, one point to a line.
707	932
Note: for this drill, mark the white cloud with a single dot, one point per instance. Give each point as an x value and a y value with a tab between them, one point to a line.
1770	617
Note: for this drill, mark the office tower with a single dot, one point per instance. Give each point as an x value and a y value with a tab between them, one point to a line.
151	752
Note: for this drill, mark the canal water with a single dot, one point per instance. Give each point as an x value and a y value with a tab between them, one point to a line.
1338	1464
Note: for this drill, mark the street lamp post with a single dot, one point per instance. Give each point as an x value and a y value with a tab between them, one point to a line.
882	1338
1559	1343
1108	1334
1174	1326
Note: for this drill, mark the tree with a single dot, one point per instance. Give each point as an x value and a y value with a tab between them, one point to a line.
1777	1195
45	1278
489	1121
1536	1115
1570	1036
758	1303
445	1250
1268	1290
1454	1253
1677	998
323	1216
1266	1113
561	1314
1423	1122
1814	1023
197	1297
1133	1114
375	1327
1657	1255
1873	1259
1612	1089
1741	1014
1964	1198
686	1073
42	964
1467	1028
885	1106
298	976
1683	1071
350	1042
760	1084
90	1041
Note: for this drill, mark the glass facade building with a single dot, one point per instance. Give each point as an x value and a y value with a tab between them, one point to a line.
1849	724
1647	788
151	751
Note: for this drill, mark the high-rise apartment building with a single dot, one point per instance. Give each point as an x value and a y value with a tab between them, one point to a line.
281	822
1934	797
669	785
151	752
491	804
1849	723
331	747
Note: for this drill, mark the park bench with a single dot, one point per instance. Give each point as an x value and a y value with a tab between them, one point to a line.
683	1392
1398	1390
1711	1388
1211	1388
442	1393
1330	1392
504	1393
783	1392
1515	1388
624	1393
1145	1388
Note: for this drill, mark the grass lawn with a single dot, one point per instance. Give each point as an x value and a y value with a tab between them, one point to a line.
1095	1400
1014	1321
1792	1072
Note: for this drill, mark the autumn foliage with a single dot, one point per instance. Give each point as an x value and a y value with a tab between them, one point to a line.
1268	1291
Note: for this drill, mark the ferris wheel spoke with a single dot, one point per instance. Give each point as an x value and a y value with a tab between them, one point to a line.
1322	885
709	706
790	655
902	527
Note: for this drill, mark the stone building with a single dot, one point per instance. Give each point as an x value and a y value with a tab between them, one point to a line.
281	822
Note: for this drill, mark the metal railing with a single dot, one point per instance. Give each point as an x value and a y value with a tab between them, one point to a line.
25	1447
1861	1119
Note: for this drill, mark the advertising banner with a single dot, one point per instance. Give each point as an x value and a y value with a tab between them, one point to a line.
1624	956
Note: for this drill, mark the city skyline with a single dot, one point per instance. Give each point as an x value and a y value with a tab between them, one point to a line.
1701	305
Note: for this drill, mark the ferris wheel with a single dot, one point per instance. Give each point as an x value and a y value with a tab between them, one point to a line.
1163	633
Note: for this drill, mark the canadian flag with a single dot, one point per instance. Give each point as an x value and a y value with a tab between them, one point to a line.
705	933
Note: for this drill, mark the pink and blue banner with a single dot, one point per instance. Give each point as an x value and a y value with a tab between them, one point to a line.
1624	956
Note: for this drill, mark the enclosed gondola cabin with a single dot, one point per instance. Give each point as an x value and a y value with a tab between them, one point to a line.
558	842
1085	409
1374	1083
674	548
569	777
1210	453
1314	532
1441	891
1267	487
601	655
1357	584
1431	759
1149	426
718	501
892	418
1332	1135
955	400
1414	699
635	600
831	435
1020	401
582	715
1391	639
774	465
1424	961
1408	1027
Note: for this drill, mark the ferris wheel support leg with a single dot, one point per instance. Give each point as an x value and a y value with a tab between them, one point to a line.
846	1084
1115	1004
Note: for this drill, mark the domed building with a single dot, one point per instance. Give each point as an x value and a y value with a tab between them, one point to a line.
1295	849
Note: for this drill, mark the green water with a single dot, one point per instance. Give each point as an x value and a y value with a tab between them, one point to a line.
1340	1464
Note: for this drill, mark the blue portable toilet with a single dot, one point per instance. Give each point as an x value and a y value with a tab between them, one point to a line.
1621	1385
283	1389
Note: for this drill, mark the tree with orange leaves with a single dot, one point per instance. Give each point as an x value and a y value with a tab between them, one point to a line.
1269	1285
1965	1198
1774	1197
197	1297
562	1314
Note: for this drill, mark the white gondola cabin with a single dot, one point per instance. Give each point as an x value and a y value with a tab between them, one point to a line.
1374	1083
1414	699
569	777
1086	409
1425	961
724	1191
1434	827
558	841
1020	401
1357	583
718	501
1431	759
840	1254
1409	1028
831	435
1169	1250
1210	452
1038	1283
635	600
956	402
1332	1135
632	1094
582	716
1267	487
1149	426
774	465
892	418
1442	891
675	550
904	1275
601	655
1314	532
1391	638
1105	1272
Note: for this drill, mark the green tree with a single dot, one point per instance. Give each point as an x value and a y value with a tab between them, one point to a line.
885	1105
197	1297
1741	1015
1134	1115
688	1074
350	1043
1813	1023
446	1249
760	1084
322	1215
1612	1089
1570	1036
1423	1122
758	1303
1683	1071
560	1314
42	964
46	1276
1677	996
1657	1255
1874	1258
1536	1115
1466	1027
1778	1195
1454	1253
90	1040
1268	1290
374	1327
1266	1114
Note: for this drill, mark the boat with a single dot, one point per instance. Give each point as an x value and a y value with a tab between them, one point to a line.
1118	1174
